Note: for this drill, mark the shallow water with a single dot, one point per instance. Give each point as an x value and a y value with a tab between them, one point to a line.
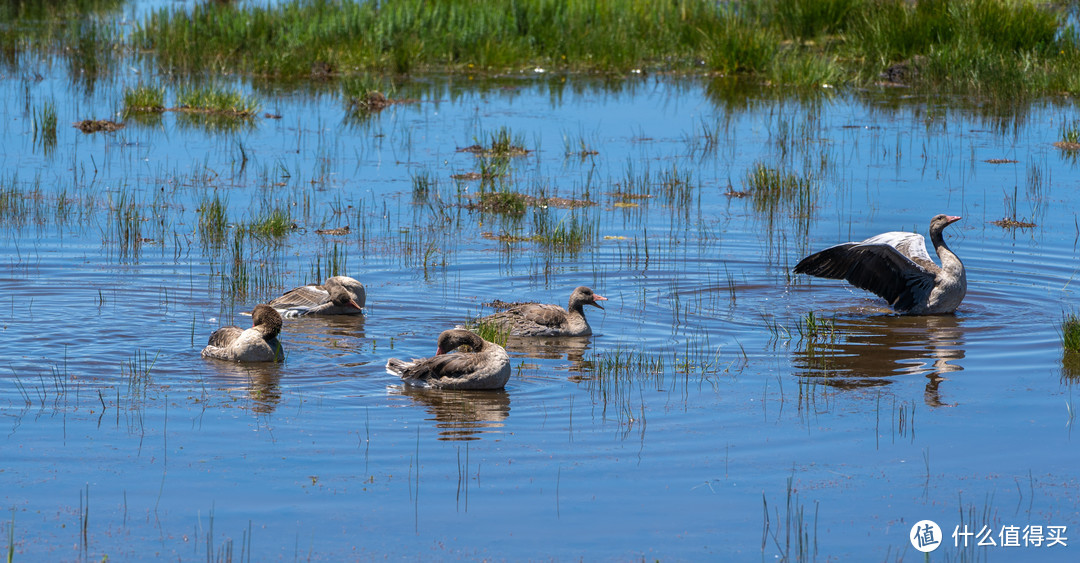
730	435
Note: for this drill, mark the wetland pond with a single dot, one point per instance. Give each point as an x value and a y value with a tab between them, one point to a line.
709	416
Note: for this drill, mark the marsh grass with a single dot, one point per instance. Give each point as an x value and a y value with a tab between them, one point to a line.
1069	136
794	540
216	100
213	220
126	221
143	99
568	235
501	143
492	332
773	188
1070	332
45	121
813	327
332	263
503	201
271	224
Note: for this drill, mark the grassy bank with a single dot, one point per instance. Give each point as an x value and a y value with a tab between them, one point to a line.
969	46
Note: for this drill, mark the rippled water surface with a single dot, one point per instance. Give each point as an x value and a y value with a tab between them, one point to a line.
703	418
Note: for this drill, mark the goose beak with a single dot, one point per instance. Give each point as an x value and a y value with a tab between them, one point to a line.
439	351
597	297
952	219
352	303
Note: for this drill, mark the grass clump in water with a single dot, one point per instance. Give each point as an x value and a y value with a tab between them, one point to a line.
274	223
769	187
492	332
1070	332
45	121
217	100
143	99
1070	136
213	220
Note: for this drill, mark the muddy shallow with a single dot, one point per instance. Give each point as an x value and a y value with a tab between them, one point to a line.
728	435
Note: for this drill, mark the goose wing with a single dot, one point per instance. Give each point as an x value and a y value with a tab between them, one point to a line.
436	367
878	266
225	336
304	297
546	315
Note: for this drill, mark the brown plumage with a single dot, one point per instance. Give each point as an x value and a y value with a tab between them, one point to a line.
484	366
256	344
896	266
537	319
338	295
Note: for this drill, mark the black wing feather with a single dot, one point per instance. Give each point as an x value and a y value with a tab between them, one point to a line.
878	268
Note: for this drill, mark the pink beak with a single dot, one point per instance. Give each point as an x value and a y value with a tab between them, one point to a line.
598	297
439	351
953	218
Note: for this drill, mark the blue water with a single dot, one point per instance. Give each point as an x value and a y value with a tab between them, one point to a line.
113	418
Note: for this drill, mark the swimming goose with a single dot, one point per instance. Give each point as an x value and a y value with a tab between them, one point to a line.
536	319
256	344
896	266
484	366
338	295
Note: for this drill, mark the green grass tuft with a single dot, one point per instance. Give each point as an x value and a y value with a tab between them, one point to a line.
1070	332
217	100
144	99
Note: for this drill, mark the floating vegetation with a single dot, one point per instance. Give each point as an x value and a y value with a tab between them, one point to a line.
218	101
500	144
502	201
1070	136
1010	221
96	125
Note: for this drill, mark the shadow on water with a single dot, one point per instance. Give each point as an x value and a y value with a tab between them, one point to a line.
460	415
873	351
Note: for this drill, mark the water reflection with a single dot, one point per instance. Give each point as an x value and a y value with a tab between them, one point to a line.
460	415
260	381
551	348
869	352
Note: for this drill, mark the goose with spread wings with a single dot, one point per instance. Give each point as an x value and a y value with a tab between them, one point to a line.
897	267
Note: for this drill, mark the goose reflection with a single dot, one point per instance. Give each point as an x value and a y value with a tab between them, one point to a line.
332	336
460	414
871	352
550	348
261	382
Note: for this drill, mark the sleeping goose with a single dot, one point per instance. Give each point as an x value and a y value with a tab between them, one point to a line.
537	319
256	344
484	366
896	266
338	295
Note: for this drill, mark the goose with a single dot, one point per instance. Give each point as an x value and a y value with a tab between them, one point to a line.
896	266
338	295
484	366
537	319
256	344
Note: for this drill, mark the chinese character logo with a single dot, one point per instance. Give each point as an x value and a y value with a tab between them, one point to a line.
925	535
